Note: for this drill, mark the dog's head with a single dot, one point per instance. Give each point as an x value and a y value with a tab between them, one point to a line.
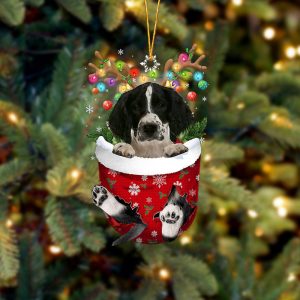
150	112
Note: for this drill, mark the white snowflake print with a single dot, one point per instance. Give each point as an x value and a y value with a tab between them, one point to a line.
139	240
92	157
192	192
144	178
159	180
178	183
98	129
187	84
135	204
204	99
120	51
202	139
148	199
153	233
113	173
134	189
89	109
198	177
155	63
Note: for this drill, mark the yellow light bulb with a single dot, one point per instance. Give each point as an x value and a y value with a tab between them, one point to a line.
252	214
12	117
185	239
131	3
298	50
259	232
278	66
75	173
273	116
122	88
278	201
54	249
164	274
101	73
282	212
292	277
9	223
290	52
269	33
237	2
241	105
222	211
207	157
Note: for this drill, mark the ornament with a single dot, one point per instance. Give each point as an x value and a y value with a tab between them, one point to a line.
147	62
202	85
153	74
95	91
107	105
101	72
101	87
143	79
120	65
192	96
117	96
183	57
93	78
122	88
175	83
179	89
198	76
111	81
103	62
176	67
170	75
186	75
134	72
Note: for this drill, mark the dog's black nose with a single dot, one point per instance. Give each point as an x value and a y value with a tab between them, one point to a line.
149	129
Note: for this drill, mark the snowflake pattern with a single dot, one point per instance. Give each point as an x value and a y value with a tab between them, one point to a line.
154	233
204	98
198	177
92	157
192	192
202	139
89	109
113	173
134	189
144	177
148	199
139	240
120	51
135	204
98	129
159	180
155	64
178	183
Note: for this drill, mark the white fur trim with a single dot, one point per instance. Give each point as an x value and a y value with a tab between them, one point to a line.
146	166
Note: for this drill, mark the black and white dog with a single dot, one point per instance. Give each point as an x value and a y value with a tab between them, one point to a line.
174	215
119	210
148	119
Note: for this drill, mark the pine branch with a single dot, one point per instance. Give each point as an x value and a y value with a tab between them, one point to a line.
194	131
12	12
62	226
112	14
12	171
9	263
32	274
148	290
77	8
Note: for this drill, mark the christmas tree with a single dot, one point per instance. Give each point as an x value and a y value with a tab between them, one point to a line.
244	243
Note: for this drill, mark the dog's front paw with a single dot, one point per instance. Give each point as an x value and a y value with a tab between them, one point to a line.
124	149
174	149
100	194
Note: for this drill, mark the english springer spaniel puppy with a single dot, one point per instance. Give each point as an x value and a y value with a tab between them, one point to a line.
148	119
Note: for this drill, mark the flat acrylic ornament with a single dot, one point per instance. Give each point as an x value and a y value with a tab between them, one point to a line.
145	183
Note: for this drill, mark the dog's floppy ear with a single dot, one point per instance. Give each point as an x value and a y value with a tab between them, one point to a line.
119	120
180	115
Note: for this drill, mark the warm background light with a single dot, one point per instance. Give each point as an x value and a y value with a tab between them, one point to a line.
269	33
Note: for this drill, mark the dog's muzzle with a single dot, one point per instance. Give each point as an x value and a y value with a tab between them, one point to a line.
149	131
